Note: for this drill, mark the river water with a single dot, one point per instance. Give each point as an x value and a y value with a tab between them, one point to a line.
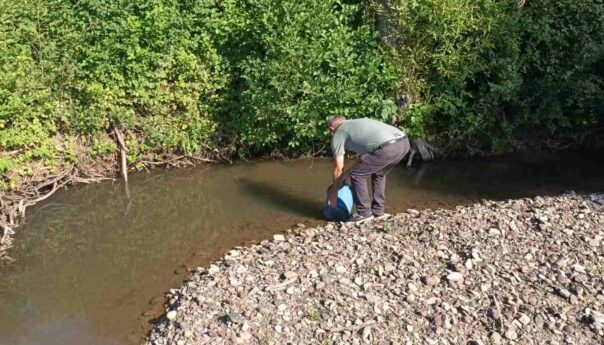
92	264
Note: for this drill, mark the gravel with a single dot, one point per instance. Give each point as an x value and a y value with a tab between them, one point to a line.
526	271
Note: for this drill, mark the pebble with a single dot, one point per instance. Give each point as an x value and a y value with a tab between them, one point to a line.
171	315
430	341
495	338
454	258
245	336
494	232
454	276
578	268
594	316
290	275
431	280
279	238
524	319
342	284
389	268
476	256
564	293
431	301
539	321
366	333
511	334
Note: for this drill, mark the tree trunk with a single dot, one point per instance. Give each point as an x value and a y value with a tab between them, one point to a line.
425	150
402	99
382	23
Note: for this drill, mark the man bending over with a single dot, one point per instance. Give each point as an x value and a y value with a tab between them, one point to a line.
381	147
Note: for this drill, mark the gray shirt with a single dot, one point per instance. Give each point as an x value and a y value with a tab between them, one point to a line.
362	136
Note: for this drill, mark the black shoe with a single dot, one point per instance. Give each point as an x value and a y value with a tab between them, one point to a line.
358	219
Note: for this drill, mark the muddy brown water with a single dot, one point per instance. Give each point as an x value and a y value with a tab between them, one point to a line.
92	265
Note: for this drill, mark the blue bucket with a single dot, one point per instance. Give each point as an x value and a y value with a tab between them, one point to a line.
344	205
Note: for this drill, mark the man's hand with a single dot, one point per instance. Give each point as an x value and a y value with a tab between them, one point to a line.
333	197
337	180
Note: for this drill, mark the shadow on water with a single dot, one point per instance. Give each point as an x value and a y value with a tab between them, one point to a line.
517	176
281	199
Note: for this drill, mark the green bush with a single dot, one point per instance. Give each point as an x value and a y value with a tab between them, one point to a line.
462	66
487	76
294	62
29	102
261	75
563	63
82	67
145	69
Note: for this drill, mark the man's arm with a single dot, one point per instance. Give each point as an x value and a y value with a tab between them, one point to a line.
337	180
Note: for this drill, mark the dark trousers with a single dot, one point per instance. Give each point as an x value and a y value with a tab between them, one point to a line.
376	164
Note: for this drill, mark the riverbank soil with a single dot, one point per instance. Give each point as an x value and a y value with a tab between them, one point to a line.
525	271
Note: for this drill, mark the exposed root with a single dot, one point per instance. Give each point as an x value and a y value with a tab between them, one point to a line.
179	161
425	150
14	203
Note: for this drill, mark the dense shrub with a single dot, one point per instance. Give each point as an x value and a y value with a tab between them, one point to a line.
144	68
261	75
487	75
563	63
32	95
293	63
82	67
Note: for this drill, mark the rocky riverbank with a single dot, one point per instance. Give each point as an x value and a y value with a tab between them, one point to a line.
526	271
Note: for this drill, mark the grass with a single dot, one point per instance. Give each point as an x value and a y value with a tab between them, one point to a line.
314	314
387	228
265	340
